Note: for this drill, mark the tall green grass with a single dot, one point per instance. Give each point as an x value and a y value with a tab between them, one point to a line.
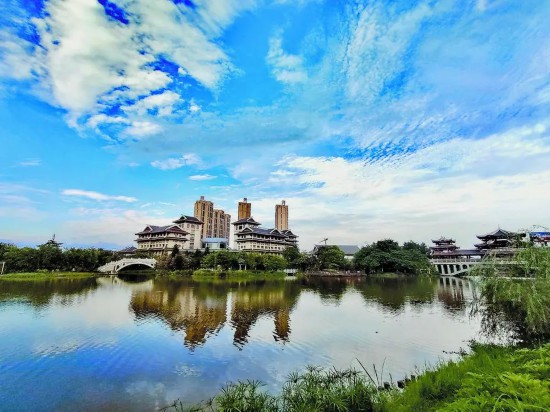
491	378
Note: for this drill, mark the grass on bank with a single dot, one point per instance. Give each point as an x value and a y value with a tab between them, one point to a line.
46	275
236	275
491	378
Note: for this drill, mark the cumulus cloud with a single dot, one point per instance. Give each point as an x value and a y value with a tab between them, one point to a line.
140	129
92	60
87	194
176	162
163	103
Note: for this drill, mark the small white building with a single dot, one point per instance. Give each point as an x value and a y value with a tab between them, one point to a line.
161	239
250	237
215	243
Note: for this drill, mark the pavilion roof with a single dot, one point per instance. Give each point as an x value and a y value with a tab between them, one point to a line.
150	229
248	220
263	232
499	234
188	219
443	239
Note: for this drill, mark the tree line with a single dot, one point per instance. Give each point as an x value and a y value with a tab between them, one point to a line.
51	257
382	256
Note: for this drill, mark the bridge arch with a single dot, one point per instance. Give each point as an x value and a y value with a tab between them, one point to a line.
116	266
119	268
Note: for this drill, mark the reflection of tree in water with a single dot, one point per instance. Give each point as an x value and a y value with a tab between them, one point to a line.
183	306
331	289
394	292
252	300
41	293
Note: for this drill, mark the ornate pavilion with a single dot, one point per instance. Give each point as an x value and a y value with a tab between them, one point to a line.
500	242
445	248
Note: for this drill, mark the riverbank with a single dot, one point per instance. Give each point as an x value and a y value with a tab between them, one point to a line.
28	276
235	275
489	378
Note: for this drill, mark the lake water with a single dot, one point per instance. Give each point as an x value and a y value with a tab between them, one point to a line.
136	344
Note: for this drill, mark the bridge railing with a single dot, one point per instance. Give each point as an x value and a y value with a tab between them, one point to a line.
444	261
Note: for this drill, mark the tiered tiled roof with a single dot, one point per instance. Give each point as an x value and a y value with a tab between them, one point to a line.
189	219
247	220
150	229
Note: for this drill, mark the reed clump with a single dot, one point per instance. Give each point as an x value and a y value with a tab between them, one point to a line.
489	378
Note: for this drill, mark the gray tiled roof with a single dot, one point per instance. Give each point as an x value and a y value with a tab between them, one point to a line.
188	219
161	229
348	249
248	220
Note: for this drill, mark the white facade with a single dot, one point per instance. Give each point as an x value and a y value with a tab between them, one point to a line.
249	237
161	239
193	226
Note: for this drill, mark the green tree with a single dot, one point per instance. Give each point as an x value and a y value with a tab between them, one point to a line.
330	257
50	257
274	263
175	251
419	247
292	256
515	297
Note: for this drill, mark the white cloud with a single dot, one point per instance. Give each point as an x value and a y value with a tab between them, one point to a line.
163	103
30	163
96	195
116	226
457	188
202	177
287	68
142	129
89	61
377	45
16	58
98	119
176	162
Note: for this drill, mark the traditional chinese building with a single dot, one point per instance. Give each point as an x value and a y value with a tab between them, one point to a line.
193	226
443	248
161	239
500	242
250	237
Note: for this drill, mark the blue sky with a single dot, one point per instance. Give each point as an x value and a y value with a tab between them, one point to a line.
373	119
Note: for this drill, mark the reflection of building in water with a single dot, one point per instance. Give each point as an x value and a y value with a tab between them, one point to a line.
455	293
251	303
182	309
201	309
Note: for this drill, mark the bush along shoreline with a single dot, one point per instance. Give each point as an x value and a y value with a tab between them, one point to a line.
512	377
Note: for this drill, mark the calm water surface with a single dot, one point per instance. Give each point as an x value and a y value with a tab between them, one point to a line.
133	344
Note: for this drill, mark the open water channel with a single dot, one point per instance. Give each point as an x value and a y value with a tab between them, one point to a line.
121	343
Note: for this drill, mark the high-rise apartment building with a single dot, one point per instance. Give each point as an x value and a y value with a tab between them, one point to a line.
245	209
281	216
217	223
221	224
204	210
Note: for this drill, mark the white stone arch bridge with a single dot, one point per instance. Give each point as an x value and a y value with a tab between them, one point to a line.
116	266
